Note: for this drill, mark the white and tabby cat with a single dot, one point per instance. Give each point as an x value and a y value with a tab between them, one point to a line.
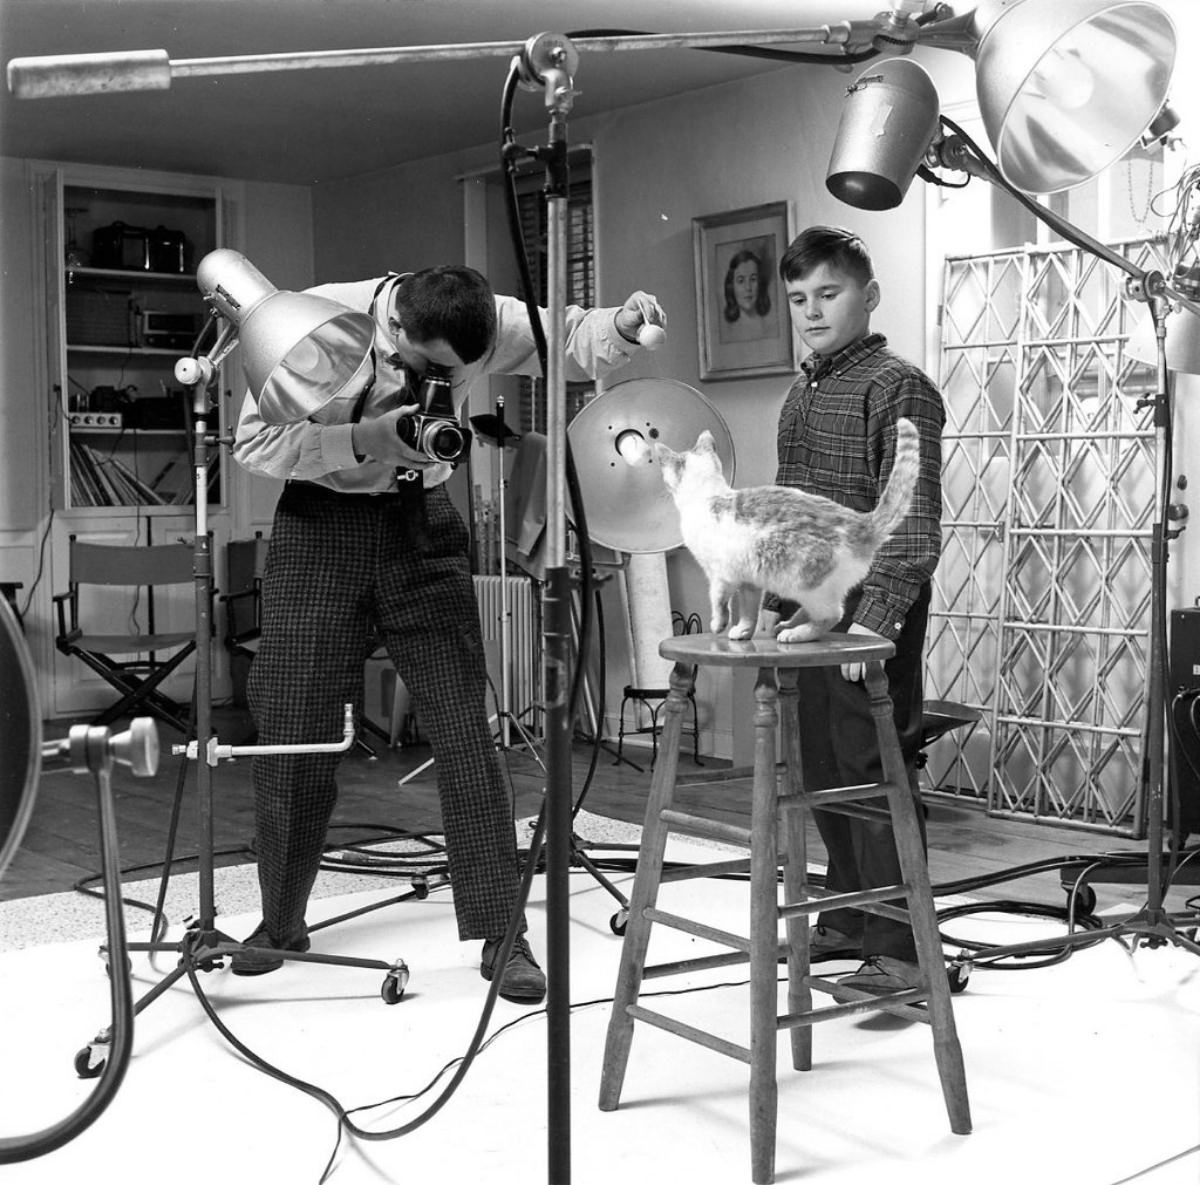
802	547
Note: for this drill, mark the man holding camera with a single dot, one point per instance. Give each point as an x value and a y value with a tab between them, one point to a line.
366	545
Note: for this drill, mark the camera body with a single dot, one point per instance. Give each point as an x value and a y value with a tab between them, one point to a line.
434	431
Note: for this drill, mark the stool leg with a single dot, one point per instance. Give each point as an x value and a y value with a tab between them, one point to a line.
643	897
764	934
946	1049
795	867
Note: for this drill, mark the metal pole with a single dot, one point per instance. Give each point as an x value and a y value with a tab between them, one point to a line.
557	630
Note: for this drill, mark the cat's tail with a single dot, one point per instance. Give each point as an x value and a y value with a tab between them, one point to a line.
896	498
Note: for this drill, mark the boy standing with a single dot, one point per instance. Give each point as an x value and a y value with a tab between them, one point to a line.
837	437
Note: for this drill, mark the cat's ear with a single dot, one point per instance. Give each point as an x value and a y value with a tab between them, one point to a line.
705	442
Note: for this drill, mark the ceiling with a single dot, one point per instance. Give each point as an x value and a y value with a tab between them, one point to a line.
313	125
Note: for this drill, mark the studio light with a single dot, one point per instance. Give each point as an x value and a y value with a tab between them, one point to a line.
612	439
888	121
1066	88
304	356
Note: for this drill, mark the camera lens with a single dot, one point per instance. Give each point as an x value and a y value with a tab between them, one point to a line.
444	442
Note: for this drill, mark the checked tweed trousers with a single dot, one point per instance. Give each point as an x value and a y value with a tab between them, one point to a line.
341	571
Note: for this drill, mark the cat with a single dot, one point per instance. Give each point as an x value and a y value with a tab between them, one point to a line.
802	547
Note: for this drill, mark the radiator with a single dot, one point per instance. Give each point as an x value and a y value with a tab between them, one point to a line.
524	645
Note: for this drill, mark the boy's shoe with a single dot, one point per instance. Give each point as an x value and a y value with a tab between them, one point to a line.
824	942
881	974
256	956
522	981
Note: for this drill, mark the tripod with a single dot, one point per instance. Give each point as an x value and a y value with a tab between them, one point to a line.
203	945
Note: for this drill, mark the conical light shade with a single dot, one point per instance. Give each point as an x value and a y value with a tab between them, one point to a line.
889	118
1067	88
1183	342
304	356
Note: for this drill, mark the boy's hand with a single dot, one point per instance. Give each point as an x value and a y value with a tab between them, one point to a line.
852	672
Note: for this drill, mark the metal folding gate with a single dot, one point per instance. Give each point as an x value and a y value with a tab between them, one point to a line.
1041	607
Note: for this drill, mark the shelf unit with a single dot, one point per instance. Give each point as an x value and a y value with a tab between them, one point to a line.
128	480
124	307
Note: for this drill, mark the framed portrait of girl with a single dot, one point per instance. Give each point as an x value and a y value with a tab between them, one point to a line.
742	320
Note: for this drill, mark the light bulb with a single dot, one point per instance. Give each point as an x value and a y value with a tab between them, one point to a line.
633	447
1065	80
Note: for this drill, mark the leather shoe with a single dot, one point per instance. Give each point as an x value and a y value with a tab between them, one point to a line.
824	942
522	981
256	956
881	974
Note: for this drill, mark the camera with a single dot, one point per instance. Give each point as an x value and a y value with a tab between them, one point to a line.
435	430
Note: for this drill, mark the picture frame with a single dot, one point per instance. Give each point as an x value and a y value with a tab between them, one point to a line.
742	324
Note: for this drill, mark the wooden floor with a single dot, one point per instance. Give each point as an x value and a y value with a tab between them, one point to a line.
61	847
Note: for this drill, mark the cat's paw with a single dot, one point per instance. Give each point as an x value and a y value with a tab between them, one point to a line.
717	623
742	631
799	633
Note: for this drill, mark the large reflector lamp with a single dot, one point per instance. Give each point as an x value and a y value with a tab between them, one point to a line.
1068	88
304	356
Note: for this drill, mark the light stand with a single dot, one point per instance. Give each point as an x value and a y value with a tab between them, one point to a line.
1152	925
496	427
94	750
204	945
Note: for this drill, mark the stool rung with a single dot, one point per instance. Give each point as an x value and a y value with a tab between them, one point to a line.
858	810
818	798
689	872
704	963
825	900
699	1036
864	1003
698	929
706	828
899	1002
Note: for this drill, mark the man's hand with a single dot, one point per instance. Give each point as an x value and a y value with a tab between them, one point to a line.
380	440
640	308
852	672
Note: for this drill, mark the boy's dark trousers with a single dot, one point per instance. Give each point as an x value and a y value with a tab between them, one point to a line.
839	748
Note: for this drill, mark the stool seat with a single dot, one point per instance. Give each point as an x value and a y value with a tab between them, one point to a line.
776	843
761	651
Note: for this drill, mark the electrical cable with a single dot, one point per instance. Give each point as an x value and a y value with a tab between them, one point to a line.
320	1094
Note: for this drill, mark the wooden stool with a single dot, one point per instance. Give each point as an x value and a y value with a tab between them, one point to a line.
777	837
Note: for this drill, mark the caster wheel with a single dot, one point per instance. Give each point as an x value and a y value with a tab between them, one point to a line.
1085	899
88	1064
958	974
420	888
392	991
619	921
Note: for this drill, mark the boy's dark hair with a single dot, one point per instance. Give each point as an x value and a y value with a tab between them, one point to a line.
450	302
841	249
